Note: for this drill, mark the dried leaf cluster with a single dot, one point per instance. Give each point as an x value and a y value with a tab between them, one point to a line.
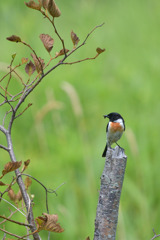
48	5
10	167
49	223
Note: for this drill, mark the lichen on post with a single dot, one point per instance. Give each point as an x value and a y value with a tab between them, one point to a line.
110	192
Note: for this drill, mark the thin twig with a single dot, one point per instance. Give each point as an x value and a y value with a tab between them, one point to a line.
36	231
12	234
13	206
6	99
9	186
19	77
55	29
3	147
16	222
46	190
10	76
29	105
85	59
5	91
59	186
26	44
8	217
155	235
10	72
6	116
2	103
12	213
85	40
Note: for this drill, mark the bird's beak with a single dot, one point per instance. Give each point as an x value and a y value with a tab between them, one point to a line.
105	116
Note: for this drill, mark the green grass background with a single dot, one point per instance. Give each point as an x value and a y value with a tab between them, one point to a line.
65	144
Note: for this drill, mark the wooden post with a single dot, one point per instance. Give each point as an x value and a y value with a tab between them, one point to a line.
110	192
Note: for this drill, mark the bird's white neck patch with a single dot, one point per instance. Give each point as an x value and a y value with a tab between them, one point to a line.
119	121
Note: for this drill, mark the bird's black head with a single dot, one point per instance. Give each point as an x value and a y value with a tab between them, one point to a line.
113	116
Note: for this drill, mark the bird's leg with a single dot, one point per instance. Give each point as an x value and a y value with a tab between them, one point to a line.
119	146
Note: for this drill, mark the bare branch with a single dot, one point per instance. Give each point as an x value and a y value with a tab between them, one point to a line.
3	147
10	75
10	72
2	129
85	59
85	40
19	77
12	213
55	29
20	182
155	235
6	100
26	44
92	32
36	231
14	235
6	116
6	91
13	206
29	105
16	222
46	190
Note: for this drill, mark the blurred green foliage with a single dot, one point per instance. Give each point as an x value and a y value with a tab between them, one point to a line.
65	145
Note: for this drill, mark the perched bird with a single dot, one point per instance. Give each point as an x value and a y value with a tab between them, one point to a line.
114	129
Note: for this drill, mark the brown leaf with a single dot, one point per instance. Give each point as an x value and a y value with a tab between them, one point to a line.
30	68
13	56
74	38
27	182
45	4
88	238
11	194
47	42
38	64
19	196
53	9
99	50
24	60
33	5
14	38
61	52
40	3
27	162
49	223
2	184
10	166
14	197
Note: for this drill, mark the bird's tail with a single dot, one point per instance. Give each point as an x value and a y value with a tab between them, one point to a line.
105	150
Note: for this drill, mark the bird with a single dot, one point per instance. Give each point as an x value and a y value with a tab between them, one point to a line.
114	129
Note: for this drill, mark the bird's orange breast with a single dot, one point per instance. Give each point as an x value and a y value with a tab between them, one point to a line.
115	126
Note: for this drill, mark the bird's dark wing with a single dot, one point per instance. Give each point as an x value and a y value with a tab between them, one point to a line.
105	151
124	125
107	127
